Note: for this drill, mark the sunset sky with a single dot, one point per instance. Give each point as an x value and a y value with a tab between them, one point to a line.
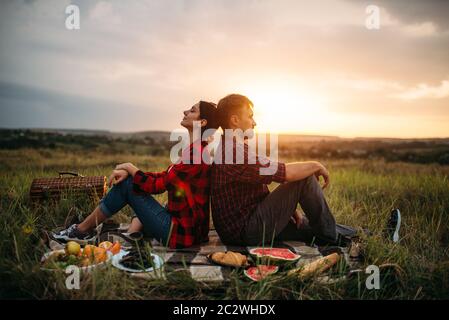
310	67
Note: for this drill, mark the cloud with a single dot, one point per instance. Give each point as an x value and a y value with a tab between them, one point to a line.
168	54
25	106
104	12
424	29
423	91
417	12
363	83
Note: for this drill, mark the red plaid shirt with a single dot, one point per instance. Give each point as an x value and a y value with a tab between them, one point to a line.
188	197
236	191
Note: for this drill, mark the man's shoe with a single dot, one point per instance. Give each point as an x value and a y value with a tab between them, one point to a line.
393	225
73	234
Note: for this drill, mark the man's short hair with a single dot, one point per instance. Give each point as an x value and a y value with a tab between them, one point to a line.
230	105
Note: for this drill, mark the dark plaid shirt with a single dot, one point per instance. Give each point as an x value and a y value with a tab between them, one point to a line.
188	187
236	191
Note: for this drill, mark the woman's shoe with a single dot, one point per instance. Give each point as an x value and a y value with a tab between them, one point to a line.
73	234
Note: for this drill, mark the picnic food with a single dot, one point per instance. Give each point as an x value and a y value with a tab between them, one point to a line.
100	255
137	260
61	260
105	244
72	248
275	254
317	266
73	254
260	272
115	248
230	258
88	250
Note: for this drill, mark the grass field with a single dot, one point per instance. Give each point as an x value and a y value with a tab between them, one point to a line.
362	193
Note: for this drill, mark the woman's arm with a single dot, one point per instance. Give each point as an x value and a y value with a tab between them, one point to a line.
132	169
178	177
147	183
150	182
128	166
117	176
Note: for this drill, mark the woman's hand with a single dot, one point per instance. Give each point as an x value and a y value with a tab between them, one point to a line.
117	176
129	167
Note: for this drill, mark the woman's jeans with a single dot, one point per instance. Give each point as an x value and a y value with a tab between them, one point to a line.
155	218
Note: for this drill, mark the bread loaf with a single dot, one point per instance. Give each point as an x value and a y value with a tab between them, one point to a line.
317	266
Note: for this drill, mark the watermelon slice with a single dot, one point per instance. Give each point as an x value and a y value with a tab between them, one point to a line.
275	254
260	272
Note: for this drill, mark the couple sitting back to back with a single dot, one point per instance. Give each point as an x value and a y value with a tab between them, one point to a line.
244	212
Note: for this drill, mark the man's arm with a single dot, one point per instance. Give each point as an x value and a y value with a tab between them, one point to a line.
299	170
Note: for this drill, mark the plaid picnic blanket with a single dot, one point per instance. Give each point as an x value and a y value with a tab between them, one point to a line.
194	259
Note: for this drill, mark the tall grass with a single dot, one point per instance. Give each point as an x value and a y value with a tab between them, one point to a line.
362	193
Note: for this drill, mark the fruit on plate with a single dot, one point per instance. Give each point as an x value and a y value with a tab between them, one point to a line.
88	251
100	255
105	245
260	272
85	262
73	254
73	248
275	254
61	260
115	248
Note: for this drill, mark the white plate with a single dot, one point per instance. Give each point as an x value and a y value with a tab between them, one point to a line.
88	268
158	262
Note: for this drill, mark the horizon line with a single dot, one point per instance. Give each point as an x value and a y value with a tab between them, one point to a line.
278	133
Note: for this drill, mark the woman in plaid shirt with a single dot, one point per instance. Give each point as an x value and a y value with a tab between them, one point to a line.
185	220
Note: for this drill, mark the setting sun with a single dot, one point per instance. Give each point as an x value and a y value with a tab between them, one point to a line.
285	108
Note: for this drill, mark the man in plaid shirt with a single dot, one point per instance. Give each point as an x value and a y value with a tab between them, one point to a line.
245	212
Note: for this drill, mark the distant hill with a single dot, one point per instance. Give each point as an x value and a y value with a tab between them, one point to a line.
164	136
157	143
81	132
155	135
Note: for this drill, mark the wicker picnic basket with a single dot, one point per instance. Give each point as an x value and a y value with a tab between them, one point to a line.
53	188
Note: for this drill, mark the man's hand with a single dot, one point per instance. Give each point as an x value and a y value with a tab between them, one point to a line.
129	167
117	176
323	173
297	218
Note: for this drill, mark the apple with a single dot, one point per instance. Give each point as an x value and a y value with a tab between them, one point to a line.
72	248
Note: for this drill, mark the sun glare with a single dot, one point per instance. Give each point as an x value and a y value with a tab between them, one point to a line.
285	109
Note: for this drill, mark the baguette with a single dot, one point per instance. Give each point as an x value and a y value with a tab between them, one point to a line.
316	267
